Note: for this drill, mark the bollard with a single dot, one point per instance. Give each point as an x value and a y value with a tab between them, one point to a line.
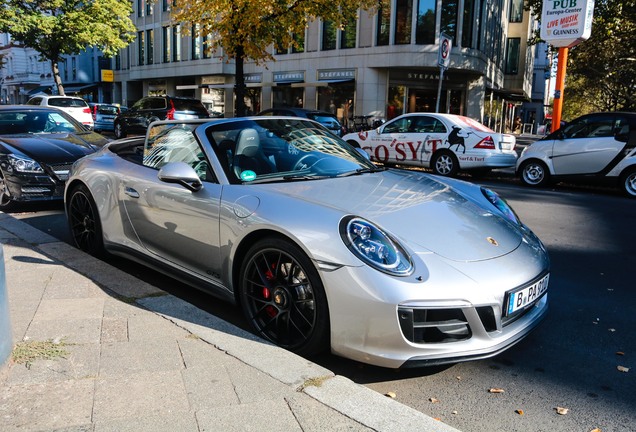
6	343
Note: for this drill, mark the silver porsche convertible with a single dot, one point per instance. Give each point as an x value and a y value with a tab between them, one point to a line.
321	248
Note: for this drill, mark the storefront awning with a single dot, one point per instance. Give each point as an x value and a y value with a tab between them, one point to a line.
41	89
324	83
77	89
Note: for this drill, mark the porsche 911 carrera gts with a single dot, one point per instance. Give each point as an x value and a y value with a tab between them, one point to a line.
38	145
321	248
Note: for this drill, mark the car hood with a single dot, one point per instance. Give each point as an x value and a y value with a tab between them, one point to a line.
55	148
426	214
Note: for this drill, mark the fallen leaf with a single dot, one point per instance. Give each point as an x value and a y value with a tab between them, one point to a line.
391	395
595	430
561	410
433	400
612	330
459	378
623	369
621	353
496	390
520	412
453	412
437	418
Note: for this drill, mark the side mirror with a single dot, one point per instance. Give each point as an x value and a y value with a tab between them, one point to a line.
180	173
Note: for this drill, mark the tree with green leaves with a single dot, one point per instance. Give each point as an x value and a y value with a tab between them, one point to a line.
601	72
248	29
55	28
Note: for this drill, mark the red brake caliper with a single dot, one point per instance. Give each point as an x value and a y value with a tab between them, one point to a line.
269	309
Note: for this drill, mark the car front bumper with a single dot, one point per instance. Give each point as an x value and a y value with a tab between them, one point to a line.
29	187
465	307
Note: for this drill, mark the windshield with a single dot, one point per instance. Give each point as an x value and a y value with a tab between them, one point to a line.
40	121
283	149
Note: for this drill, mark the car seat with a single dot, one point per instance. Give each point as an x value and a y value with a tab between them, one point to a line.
249	156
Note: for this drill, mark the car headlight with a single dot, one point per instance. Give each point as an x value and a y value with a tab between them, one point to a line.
375	247
24	164
501	205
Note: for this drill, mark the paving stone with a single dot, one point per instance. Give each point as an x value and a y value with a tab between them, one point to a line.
269	415
157	393
176	422
126	358
50	406
82	331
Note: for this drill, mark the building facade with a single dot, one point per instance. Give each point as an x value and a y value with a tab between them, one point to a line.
381	65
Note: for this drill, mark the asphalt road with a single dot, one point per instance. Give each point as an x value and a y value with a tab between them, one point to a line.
571	361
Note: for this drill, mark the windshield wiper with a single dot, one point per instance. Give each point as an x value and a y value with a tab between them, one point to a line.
362	171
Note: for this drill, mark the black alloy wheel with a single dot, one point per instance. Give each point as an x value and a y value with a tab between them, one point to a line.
283	298
119	131
84	223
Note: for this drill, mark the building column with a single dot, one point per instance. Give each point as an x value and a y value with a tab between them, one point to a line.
475	94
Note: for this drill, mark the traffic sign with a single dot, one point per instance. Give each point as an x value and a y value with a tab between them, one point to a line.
445	45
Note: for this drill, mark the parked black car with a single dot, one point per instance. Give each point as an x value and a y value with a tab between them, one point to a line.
38	145
152	108
330	121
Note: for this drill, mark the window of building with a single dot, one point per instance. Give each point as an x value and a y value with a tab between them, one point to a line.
512	55
73	68
299	47
165	5
348	35
118	61
141	43
516	11
384	26
468	23
448	24
150	44
166	39
328	35
141	7
149	7
403	21
425	26
207	46
176	43
196	43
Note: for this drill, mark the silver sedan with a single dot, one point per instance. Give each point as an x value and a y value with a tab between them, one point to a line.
321	248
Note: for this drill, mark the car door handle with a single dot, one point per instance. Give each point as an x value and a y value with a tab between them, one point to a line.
131	192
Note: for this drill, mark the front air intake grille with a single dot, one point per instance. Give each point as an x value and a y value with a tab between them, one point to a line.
433	325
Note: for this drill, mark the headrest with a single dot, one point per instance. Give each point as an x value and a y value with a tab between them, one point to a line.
247	143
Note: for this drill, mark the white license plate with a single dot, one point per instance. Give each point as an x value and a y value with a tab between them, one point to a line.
519	299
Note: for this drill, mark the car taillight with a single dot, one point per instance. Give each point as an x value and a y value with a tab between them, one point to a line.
486	143
170	115
87	110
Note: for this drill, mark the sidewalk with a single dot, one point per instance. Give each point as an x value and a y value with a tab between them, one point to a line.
125	356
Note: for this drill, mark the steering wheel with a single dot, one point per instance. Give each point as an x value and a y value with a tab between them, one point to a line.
306	162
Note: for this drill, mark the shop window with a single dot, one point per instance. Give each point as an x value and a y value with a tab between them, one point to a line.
395	106
287	96
328	35
425	26
512	56
403	20
383	26
335	99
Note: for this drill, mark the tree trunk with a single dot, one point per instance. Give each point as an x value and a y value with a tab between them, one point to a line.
57	79
239	86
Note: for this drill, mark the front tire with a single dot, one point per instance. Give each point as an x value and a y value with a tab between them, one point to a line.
445	163
535	173
84	222
119	131
628	183
6	201
283	298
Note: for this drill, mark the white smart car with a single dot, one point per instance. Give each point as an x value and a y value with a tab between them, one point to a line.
446	143
599	147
